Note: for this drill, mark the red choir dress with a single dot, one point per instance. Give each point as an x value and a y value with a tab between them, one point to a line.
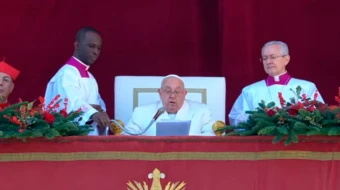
4	105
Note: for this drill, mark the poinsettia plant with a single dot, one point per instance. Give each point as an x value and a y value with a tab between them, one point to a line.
300	115
24	120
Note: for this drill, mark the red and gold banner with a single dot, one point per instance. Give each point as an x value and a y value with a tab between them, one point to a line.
198	163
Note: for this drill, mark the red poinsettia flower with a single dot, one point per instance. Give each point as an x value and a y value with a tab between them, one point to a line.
63	113
292	111
48	117
271	113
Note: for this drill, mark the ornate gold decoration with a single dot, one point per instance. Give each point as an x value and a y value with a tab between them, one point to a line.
156	175
115	129
218	125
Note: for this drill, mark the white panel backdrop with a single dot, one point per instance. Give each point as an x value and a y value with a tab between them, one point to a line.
125	85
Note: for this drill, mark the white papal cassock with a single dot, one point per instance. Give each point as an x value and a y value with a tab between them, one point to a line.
268	90
74	82
198	113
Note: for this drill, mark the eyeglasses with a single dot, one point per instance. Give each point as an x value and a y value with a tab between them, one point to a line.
169	92
271	57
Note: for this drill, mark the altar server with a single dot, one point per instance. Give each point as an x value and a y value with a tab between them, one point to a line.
74	82
172	94
275	58
8	75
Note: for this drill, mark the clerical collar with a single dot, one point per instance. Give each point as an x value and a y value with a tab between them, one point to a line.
81	67
282	79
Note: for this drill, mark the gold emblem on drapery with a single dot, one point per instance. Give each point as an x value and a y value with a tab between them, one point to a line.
156	177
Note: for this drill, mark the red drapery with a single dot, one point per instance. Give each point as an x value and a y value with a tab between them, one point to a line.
202	163
192	38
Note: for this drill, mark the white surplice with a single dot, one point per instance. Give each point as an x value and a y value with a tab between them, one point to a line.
253	94
75	83
198	113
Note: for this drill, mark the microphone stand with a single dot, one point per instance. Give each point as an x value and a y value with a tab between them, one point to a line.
159	112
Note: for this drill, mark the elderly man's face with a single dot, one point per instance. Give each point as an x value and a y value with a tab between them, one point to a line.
6	85
172	94
274	61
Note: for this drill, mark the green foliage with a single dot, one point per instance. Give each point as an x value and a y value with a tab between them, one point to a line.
262	104
271	105
334	131
247	133
23	120
283	130
270	130
300	116
288	141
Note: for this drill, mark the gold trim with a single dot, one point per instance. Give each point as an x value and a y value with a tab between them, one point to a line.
136	91
156	177
148	156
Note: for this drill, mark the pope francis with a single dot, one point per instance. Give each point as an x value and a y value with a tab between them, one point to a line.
275	58
172	94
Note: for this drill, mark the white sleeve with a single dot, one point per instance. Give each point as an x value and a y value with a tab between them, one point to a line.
69	84
238	111
312	90
101	103
134	125
207	123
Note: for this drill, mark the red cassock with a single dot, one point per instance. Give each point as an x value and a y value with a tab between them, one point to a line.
3	106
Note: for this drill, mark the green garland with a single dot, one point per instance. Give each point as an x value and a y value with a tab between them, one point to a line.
303	117
22	121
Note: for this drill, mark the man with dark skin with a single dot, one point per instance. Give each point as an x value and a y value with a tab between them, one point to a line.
75	83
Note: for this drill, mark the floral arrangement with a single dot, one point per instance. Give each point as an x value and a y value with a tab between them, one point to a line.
24	120
299	116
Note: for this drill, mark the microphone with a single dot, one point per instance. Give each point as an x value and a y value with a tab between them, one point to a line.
159	112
